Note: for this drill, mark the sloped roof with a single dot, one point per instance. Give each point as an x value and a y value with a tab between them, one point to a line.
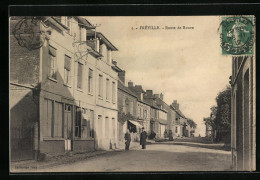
122	87
178	111
103	38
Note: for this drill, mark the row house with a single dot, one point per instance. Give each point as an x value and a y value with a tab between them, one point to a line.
154	111
142	108
127	108
181	126
243	113
63	91
162	115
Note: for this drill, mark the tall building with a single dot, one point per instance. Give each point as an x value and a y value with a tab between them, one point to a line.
243	117
63	91
127	107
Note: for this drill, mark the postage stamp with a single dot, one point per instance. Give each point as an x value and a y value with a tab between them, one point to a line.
237	35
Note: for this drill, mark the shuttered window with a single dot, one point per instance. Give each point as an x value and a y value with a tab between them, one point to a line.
100	89
113	92
91	119
57	125
67	72
52	62
107	89
90	81
80	71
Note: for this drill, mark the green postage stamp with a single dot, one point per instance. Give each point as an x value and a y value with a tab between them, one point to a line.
237	35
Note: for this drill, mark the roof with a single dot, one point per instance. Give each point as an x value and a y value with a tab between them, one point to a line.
103	38
122	87
85	22
137	89
178	112
117	69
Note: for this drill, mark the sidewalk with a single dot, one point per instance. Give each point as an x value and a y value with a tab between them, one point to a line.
31	165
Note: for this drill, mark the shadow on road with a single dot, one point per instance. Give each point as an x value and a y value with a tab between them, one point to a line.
208	146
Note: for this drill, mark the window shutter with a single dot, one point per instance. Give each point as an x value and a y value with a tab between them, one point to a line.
67	63
80	75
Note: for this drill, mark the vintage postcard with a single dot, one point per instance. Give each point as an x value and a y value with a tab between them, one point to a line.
132	93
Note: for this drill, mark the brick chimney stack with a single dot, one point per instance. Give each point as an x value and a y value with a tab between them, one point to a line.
149	93
175	105
121	76
161	96
130	84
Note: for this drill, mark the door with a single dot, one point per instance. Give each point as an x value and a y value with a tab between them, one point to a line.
67	126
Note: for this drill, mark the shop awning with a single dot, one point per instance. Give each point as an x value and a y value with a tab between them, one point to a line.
135	123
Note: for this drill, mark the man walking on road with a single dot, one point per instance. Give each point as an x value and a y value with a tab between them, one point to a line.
127	139
143	137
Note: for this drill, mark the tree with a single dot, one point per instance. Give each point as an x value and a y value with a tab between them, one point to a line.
220	116
223	113
191	123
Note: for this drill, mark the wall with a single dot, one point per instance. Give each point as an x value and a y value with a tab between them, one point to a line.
24	64
140	115
243	118
23	116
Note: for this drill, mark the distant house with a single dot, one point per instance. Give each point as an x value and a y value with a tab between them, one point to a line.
143	107
127	107
181	127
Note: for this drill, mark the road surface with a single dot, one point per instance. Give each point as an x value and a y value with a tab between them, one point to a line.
157	157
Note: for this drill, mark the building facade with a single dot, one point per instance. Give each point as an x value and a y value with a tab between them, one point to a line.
127	107
67	81
142	108
243	117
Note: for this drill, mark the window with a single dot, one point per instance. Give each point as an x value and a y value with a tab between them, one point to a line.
90	81
67	67
80	71
48	115
113	92
107	89
67	121
176	129
58	124
78	122
100	89
52	62
91	119
106	127
114	125
68	23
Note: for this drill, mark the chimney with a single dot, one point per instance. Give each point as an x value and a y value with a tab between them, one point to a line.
114	62
175	104
149	93
156	95
130	84
121	76
161	96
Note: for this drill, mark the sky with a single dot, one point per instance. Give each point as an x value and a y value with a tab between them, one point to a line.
184	64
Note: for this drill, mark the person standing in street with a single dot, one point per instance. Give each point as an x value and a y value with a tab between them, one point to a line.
143	137
127	139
